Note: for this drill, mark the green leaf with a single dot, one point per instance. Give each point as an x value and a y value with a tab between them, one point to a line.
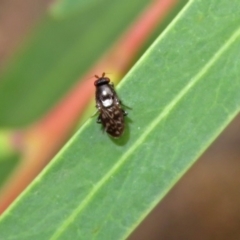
183	91
7	166
62	8
9	158
58	52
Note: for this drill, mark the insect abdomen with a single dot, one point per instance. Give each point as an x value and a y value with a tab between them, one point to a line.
113	121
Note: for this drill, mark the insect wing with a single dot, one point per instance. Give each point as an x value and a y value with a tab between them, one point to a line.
113	120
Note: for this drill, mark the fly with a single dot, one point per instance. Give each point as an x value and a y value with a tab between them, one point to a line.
111	113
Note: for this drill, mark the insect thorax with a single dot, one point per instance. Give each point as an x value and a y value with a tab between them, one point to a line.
105	95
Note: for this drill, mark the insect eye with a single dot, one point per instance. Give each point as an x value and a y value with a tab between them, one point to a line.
101	81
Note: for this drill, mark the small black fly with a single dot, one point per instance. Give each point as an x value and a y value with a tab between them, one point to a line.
111	113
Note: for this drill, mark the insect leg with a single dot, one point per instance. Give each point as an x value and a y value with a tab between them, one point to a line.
95	114
125	105
125	113
99	119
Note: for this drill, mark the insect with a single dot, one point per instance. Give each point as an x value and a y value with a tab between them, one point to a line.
111	113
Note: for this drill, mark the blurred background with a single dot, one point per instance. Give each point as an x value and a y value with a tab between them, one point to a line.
49	52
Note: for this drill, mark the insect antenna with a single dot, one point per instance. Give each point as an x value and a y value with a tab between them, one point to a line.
96	76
